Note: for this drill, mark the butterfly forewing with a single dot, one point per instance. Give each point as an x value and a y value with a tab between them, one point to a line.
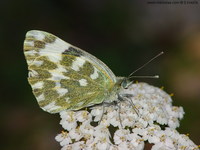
63	76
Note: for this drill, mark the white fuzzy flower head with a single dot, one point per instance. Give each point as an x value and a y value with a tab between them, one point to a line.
151	118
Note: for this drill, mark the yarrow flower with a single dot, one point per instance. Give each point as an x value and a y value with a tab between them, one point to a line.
151	119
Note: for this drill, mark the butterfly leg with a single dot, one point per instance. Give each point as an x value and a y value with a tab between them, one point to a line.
104	104
103	108
127	97
115	103
119	110
134	107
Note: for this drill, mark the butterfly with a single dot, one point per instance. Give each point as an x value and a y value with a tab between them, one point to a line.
64	77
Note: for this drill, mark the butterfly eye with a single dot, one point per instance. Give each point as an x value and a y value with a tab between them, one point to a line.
126	83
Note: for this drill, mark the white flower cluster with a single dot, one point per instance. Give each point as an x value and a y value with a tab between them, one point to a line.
153	119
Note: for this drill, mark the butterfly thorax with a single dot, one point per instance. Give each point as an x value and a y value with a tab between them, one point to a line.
113	95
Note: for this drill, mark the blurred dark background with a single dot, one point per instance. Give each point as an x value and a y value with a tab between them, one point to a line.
124	35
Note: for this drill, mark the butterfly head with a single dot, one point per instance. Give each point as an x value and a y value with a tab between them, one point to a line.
124	82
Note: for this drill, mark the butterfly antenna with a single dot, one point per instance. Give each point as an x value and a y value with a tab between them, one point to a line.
130	76
152	77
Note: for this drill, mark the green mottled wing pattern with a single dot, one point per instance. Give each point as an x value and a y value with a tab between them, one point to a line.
64	77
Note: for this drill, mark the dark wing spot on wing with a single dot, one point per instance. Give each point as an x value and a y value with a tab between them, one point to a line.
73	51
49	38
39	44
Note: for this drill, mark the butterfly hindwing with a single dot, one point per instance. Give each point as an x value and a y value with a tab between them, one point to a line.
63	76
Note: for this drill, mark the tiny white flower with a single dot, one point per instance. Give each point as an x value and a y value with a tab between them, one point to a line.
63	138
173	122
68	120
120	136
75	134
81	116
161	146
87	130
139	131
135	140
78	145
114	118
67	147
123	146
161	119
113	147
97	113
101	131
102	143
